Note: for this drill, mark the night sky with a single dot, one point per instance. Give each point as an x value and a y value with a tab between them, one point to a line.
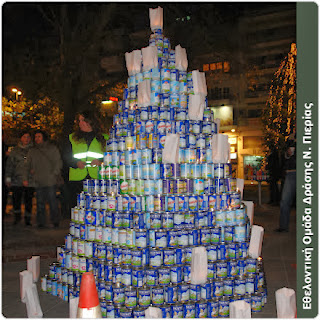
23	25
23	20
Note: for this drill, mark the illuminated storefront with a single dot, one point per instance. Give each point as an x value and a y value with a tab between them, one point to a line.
246	145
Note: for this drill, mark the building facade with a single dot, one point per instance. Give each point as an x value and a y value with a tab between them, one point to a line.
238	86
239	64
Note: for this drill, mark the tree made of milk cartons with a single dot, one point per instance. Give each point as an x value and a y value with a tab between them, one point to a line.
163	226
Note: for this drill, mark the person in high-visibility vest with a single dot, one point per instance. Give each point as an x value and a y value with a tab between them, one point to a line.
84	152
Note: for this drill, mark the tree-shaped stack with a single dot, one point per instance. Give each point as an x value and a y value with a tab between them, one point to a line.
136	227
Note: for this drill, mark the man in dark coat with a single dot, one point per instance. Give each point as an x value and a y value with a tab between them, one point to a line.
274	170
45	164
15	167
289	188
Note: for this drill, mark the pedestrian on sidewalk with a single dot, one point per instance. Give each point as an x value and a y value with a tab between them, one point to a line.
274	169
5	189
44	163
15	167
83	152
289	188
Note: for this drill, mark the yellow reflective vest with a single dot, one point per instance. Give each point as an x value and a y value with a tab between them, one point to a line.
81	152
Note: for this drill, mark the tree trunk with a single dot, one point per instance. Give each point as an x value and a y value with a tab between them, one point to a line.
68	107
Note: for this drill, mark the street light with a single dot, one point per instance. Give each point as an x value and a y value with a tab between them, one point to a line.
106	102
110	105
16	92
110	101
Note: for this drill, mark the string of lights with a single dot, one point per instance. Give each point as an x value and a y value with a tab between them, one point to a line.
279	114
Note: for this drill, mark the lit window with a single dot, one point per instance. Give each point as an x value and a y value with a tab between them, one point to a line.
226	66
212	66
219	65
205	67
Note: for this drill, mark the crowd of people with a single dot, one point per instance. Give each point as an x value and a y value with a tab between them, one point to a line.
37	167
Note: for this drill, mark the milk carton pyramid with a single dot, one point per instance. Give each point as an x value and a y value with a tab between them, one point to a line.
137	225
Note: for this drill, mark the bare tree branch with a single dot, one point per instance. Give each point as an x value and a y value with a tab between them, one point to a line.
45	15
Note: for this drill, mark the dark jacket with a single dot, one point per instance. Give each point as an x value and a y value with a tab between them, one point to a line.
16	166
290	161
274	165
45	162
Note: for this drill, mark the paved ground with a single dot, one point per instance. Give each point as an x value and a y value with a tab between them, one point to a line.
20	243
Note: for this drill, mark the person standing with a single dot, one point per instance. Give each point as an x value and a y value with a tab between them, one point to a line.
274	169
84	152
289	187
15	167
44	163
5	154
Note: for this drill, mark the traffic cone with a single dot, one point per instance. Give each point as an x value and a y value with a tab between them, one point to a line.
89	306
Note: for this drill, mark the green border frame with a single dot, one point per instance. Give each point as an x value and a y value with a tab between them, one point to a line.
307	92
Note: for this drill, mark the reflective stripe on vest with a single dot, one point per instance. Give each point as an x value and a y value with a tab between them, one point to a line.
81	151
88	154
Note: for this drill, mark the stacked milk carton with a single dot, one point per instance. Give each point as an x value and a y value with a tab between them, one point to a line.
136	225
